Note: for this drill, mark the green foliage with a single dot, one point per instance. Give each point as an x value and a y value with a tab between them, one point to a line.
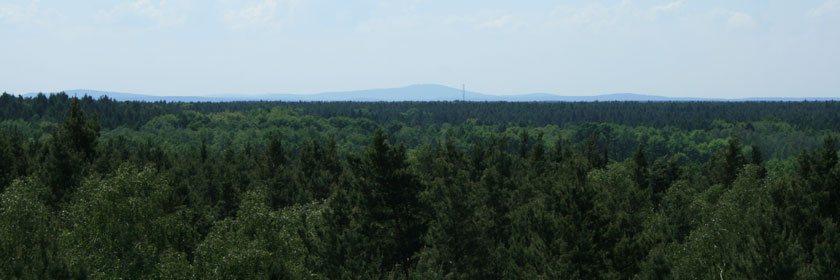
380	202
456	242
124	225
13	159
273	190
28	235
258	244
621	207
640	168
69	152
723	168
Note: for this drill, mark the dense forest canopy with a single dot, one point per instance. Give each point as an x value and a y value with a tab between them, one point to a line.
95	188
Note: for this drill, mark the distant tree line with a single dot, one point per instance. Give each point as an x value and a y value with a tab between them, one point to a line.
816	115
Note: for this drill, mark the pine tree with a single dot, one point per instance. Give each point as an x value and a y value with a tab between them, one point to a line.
755	156
663	173
275	154
757	159
827	157
557	152
79	131
524	143
376	219
39	105
13	160
640	168
277	174
733	162
538	155
203	151
69	153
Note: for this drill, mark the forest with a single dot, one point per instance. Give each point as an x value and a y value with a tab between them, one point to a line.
103	189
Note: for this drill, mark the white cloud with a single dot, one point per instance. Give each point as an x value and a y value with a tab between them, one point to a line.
593	15
499	22
389	24
264	13
738	20
827	8
161	13
148	10
667	7
29	13
492	19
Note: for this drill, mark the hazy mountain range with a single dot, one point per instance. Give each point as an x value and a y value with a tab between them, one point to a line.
427	92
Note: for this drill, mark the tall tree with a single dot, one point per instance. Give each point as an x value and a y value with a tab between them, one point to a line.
723	167
755	156
524	143
640	168
733	161
70	151
663	173
13	158
379	201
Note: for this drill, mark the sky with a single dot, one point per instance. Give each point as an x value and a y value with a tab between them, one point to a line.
681	48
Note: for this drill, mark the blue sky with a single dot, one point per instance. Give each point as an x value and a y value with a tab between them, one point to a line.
707	48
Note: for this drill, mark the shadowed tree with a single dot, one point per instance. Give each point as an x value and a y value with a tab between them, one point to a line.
376	219
640	168
69	152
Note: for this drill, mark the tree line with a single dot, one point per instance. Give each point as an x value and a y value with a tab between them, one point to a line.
817	115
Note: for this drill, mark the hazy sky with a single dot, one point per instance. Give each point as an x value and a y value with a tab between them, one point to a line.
693	48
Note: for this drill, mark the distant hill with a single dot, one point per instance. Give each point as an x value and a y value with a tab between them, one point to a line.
424	92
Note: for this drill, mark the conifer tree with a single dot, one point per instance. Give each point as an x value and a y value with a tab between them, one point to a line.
376	217
640	168
69	152
755	156
733	161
